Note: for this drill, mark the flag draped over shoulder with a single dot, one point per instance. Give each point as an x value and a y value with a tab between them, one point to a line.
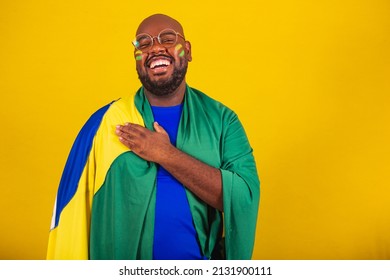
106	199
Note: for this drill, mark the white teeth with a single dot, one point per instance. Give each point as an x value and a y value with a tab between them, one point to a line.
159	62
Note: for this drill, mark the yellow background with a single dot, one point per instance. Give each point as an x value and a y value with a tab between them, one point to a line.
309	80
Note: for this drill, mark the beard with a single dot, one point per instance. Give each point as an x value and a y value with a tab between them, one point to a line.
164	87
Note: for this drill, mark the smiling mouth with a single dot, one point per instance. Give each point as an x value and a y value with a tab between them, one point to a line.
159	62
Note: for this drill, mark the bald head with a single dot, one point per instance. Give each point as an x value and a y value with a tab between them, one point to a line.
155	23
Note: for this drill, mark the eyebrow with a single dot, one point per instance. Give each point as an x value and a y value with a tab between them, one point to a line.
143	36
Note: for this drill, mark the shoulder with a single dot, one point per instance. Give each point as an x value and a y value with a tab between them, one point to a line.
93	122
120	107
214	108
116	112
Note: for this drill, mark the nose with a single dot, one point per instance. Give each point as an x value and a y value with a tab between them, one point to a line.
156	46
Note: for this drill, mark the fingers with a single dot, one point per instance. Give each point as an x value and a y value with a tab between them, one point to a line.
127	134
131	134
145	143
129	128
128	143
135	129
159	128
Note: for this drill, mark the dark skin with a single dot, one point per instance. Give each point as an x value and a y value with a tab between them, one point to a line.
203	180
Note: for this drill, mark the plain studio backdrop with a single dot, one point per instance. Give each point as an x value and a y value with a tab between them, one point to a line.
310	81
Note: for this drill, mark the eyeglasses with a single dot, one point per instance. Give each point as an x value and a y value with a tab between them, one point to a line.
167	38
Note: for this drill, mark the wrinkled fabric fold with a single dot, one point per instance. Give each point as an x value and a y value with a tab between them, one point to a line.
119	216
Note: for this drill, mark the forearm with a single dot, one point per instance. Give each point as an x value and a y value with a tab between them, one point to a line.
203	180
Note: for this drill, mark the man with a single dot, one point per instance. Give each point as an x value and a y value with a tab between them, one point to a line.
149	176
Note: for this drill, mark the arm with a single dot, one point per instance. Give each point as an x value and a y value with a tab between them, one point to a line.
203	180
237	175
241	191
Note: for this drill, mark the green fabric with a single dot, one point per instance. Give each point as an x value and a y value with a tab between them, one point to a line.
122	223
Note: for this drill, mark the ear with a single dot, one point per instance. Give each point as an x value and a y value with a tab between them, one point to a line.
188	51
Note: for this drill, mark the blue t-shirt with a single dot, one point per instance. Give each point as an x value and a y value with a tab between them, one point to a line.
175	237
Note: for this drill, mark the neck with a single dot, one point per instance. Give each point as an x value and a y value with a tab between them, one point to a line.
175	98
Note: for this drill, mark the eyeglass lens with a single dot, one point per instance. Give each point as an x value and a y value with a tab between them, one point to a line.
167	38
